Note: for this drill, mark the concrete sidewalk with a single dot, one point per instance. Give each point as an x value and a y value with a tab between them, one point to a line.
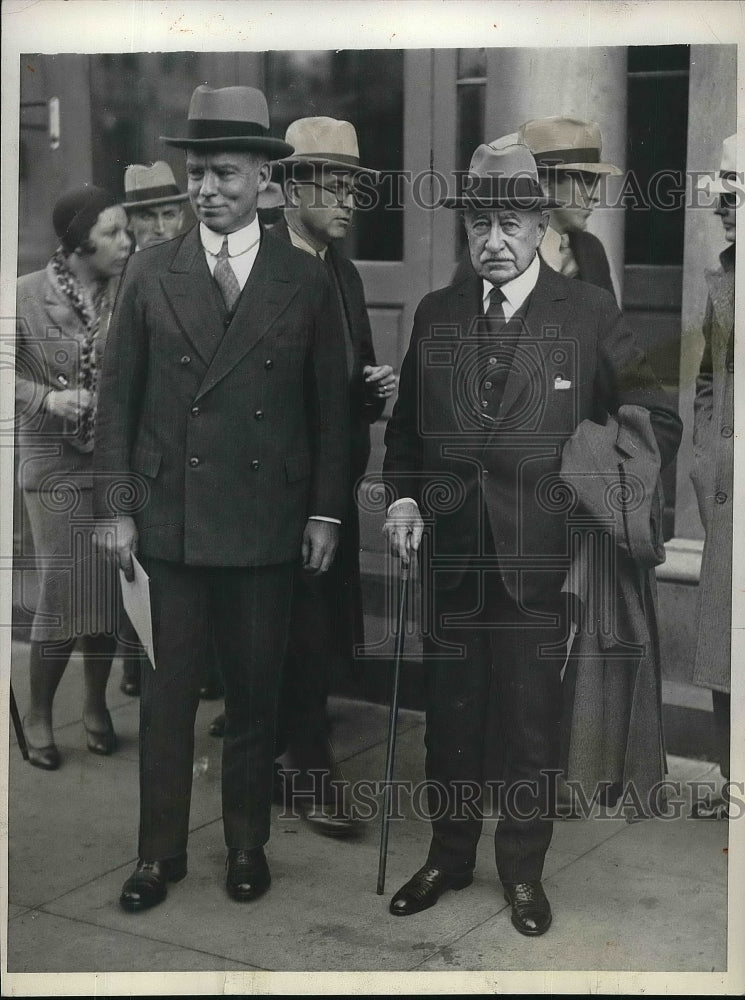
648	896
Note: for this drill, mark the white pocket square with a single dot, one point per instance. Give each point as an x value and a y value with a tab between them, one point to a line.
561	383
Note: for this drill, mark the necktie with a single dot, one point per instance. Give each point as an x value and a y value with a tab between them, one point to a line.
495	312
225	277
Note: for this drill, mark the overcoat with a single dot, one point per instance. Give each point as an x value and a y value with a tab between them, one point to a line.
49	339
712	475
222	435
364	410
574	360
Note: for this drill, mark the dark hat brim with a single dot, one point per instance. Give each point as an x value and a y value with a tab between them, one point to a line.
148	202
520	204
273	148
284	166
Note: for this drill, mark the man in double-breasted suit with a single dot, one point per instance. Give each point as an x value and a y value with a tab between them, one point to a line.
322	182
501	369
223	406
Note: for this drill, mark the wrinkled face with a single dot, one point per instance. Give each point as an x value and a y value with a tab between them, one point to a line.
111	243
325	203
223	187
155	223
502	242
579	192
726	210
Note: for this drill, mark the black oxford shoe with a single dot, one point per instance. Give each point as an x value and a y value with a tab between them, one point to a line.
531	911
147	885
425	888
248	874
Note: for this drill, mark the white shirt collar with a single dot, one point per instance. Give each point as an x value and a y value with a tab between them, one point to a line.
238	242
297	241
517	290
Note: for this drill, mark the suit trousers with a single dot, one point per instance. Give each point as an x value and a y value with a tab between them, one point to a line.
499	685
247	612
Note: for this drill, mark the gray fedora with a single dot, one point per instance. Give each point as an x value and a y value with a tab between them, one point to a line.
229	118
506	177
324	142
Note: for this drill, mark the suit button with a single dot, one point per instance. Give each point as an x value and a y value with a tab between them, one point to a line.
720	497
259	415
727	432
195	411
193	461
492	361
730	366
226	322
269	363
255	464
484	402
487	385
185	360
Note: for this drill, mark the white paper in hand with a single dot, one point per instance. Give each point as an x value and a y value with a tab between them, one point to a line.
136	599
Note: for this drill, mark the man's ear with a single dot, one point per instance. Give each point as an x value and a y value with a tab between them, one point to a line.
290	188
265	173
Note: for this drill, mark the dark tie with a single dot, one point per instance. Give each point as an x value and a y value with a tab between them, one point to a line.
225	277
495	312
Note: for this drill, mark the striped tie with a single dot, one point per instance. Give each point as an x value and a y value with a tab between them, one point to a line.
225	277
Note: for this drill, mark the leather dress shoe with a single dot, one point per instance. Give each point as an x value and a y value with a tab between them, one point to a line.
425	888
217	726
248	874
531	911
147	885
328	820
102	743
46	757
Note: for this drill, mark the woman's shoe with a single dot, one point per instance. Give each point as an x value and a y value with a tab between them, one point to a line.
103	743
47	757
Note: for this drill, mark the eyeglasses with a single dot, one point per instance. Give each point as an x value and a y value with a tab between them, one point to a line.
341	194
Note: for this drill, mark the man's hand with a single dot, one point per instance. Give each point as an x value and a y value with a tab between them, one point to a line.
68	404
380	380
404	527
122	543
320	540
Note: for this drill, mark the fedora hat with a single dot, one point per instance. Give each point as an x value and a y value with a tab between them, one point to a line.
501	178
715	184
324	142
566	144
153	185
229	118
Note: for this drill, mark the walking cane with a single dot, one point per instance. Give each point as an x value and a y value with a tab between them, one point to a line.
403	581
20	736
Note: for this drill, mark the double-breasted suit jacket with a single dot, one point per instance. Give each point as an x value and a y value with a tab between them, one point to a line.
458	456
236	430
713	473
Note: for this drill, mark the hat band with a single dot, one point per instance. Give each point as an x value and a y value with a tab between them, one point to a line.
555	157
151	193
353	161
476	188
219	128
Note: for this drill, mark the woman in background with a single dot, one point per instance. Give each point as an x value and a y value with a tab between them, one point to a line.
62	316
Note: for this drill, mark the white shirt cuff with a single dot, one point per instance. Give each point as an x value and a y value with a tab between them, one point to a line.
320	517
401	500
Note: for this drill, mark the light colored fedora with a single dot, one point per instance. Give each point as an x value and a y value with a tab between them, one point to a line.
715	184
229	118
153	185
324	142
566	144
501	178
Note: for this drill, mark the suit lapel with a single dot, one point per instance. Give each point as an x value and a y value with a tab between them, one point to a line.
546	308
191	291
266	294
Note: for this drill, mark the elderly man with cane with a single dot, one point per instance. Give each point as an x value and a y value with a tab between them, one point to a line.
501	369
